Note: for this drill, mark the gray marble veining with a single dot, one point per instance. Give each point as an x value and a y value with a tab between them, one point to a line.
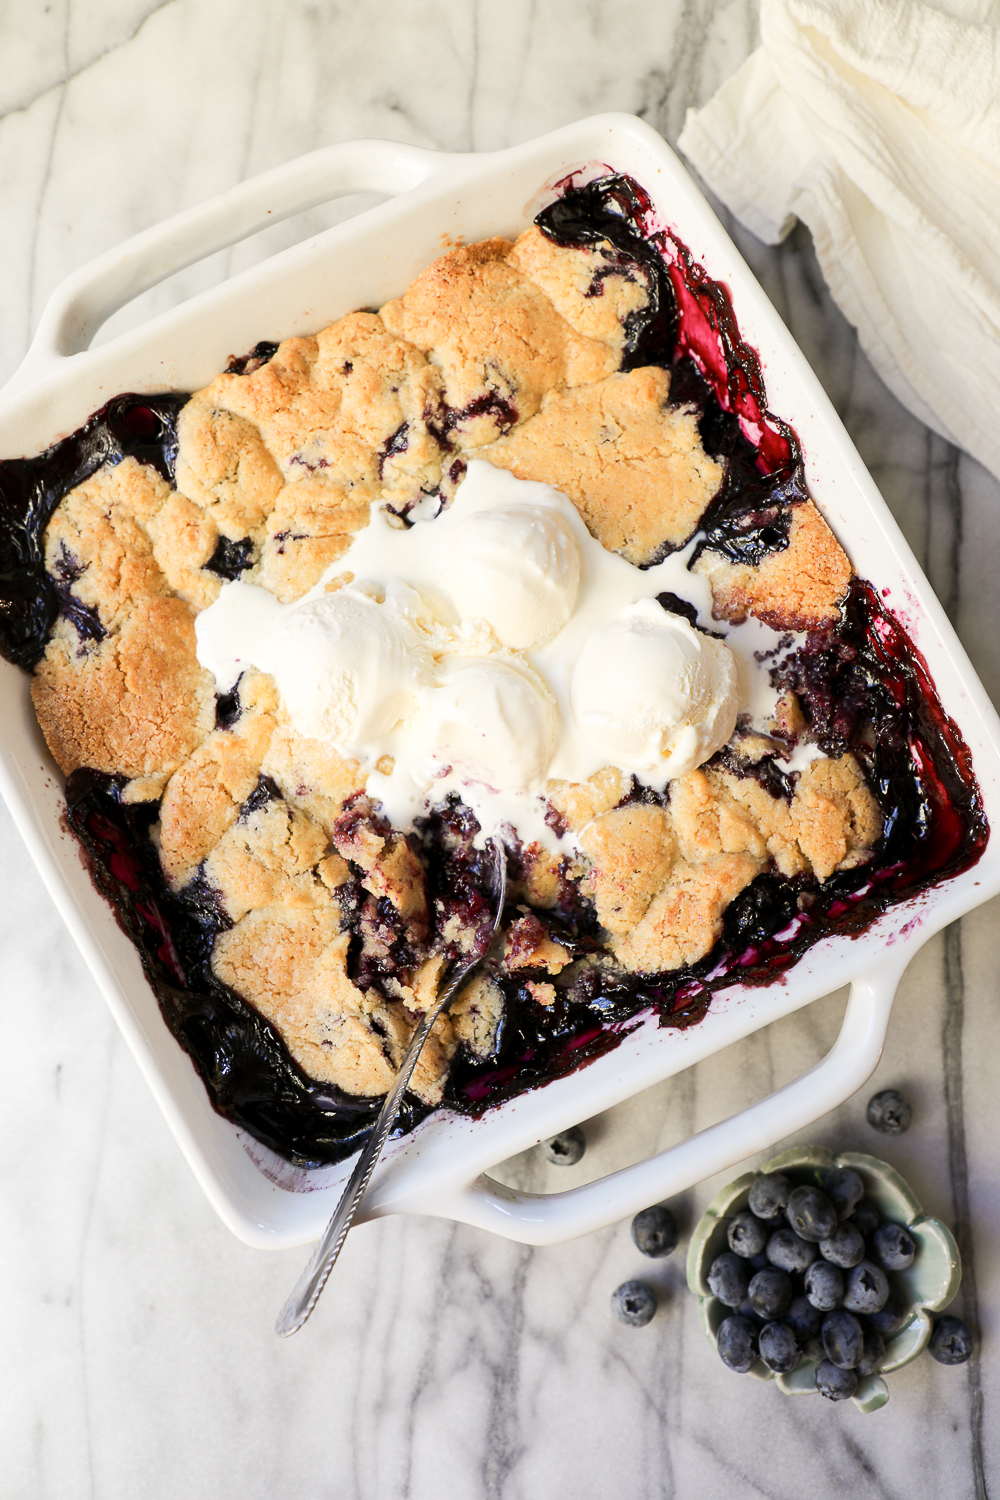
138	1354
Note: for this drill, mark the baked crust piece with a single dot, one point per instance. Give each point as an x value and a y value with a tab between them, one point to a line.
224	467
268	857
662	878
204	797
497	340
796	589
577	802
97	542
632	465
311	525
135	704
529	946
632	852
683	921
291	965
595	290
353	400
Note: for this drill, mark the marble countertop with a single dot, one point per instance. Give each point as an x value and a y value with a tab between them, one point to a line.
138	1353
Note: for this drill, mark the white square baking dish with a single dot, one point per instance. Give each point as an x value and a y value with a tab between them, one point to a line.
443	1167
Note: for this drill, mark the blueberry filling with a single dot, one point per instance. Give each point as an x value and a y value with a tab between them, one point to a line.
246	364
861	684
492	404
611	210
31	488
227	708
230	559
396	443
83	617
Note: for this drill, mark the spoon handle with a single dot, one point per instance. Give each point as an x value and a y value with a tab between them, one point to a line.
310	1284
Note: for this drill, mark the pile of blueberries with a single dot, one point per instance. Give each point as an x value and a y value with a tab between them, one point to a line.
808	1274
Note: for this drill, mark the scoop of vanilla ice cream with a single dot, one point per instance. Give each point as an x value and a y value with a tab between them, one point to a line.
654	694
494	722
349	667
518	569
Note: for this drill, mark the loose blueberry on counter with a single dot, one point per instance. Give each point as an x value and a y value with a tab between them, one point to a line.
951	1341
867	1289
735	1342
747	1235
824	1286
654	1231
789	1252
834	1383
811	1214
778	1347
770	1292
633	1303
566	1148
843	1339
769	1195
803	1319
889	1113
872	1353
893	1247
728	1278
866	1218
845	1190
845	1247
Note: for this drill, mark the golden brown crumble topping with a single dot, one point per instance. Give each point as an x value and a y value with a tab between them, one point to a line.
500	351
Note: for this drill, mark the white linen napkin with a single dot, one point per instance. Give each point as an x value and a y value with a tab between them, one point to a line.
877	122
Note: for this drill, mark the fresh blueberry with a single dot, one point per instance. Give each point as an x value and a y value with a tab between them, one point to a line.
893	1247
735	1342
889	1112
867	1289
728	1278
566	1148
811	1214
771	1292
833	1383
844	1189
746	1310
845	1247
790	1253
843	1339
813	1348
824	1285
758	1262
892	1316
769	1195
866	1217
872	1353
633	1303
951	1341
747	1235
803	1319
778	1347
654	1231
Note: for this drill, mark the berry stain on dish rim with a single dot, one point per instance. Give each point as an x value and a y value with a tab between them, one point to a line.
918	768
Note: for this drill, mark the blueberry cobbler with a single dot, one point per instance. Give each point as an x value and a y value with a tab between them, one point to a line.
525	553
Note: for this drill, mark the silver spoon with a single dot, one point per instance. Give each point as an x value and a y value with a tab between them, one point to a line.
310	1284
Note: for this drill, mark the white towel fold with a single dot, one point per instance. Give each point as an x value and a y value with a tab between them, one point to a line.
877	122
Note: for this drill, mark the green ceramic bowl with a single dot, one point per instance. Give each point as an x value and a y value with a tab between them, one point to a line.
929	1284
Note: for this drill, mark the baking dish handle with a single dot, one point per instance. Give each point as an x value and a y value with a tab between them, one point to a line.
87	298
548	1218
